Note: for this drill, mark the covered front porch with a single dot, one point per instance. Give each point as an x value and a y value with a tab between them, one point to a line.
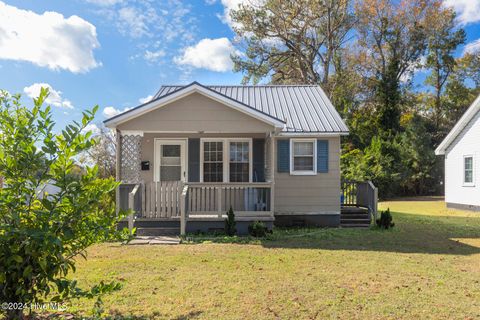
193	207
186	182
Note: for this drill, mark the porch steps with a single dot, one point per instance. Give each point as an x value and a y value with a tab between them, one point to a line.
157	231
354	217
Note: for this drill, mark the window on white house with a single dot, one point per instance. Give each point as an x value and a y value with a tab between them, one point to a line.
468	170
213	161
303	156
239	165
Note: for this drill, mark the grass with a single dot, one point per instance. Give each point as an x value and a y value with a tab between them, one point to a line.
427	267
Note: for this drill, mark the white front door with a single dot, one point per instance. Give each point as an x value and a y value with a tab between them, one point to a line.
170	161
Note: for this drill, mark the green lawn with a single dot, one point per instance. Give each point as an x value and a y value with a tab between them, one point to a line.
428	267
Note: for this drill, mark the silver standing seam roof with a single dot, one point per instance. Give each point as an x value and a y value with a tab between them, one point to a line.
304	108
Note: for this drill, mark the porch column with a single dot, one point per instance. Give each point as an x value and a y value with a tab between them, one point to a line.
118	148
130	156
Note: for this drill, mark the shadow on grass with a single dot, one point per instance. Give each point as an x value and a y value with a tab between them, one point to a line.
411	234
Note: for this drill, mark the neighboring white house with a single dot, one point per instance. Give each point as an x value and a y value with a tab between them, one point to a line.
461	148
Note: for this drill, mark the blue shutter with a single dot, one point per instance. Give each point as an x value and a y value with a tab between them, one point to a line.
283	155
258	149
322	156
194	160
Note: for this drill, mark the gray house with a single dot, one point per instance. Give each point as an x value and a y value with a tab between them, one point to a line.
271	153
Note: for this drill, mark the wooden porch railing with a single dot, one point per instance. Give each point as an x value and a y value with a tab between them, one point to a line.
360	194
246	199
162	199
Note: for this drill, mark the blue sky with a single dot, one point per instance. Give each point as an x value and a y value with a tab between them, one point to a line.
115	53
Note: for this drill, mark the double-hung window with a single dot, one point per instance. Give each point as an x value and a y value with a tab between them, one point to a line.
468	171
303	161
226	160
239	162
212	161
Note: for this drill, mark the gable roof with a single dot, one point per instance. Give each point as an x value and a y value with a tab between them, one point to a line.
459	126
194	87
300	108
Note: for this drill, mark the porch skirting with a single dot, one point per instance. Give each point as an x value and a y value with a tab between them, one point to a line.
200	224
308	220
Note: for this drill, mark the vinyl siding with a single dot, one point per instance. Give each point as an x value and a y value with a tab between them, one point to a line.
148	147
318	193
467	143
196	112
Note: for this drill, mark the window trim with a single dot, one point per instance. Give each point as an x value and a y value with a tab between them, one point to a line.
226	157
469	184
292	156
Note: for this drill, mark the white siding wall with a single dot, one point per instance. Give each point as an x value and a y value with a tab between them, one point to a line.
467	143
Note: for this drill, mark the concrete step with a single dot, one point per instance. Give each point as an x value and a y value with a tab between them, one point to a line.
158	231
155	240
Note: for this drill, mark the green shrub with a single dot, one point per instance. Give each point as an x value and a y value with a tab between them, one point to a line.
43	235
230	228
257	229
385	220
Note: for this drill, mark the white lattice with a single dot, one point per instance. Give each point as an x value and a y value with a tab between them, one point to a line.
131	155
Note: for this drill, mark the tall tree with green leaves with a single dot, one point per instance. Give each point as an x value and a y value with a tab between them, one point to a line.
41	234
444	37
392	36
291	41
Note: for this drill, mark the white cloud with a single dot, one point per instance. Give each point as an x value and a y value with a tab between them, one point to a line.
92	127
109	112
54	98
210	2
472	47
146	99
48	39
154	56
468	11
210	54
228	6
132	21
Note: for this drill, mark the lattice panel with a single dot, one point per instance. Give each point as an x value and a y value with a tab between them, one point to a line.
131	155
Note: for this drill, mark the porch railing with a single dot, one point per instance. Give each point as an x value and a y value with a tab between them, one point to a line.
360	194
162	199
246	199
172	200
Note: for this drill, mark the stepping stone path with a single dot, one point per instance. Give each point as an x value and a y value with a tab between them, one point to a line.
154	240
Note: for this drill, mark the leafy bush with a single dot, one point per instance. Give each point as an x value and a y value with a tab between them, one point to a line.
42	235
230	225
257	229
385	220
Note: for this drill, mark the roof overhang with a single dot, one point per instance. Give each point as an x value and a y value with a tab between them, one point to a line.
194	87
458	128
313	134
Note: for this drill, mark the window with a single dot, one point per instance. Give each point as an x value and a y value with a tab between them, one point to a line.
226	160
170	163
239	161
303	156
468	170
213	161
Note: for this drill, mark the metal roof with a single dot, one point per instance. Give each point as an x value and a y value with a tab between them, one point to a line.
304	108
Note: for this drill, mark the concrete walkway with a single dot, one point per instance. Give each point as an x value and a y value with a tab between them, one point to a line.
155	240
